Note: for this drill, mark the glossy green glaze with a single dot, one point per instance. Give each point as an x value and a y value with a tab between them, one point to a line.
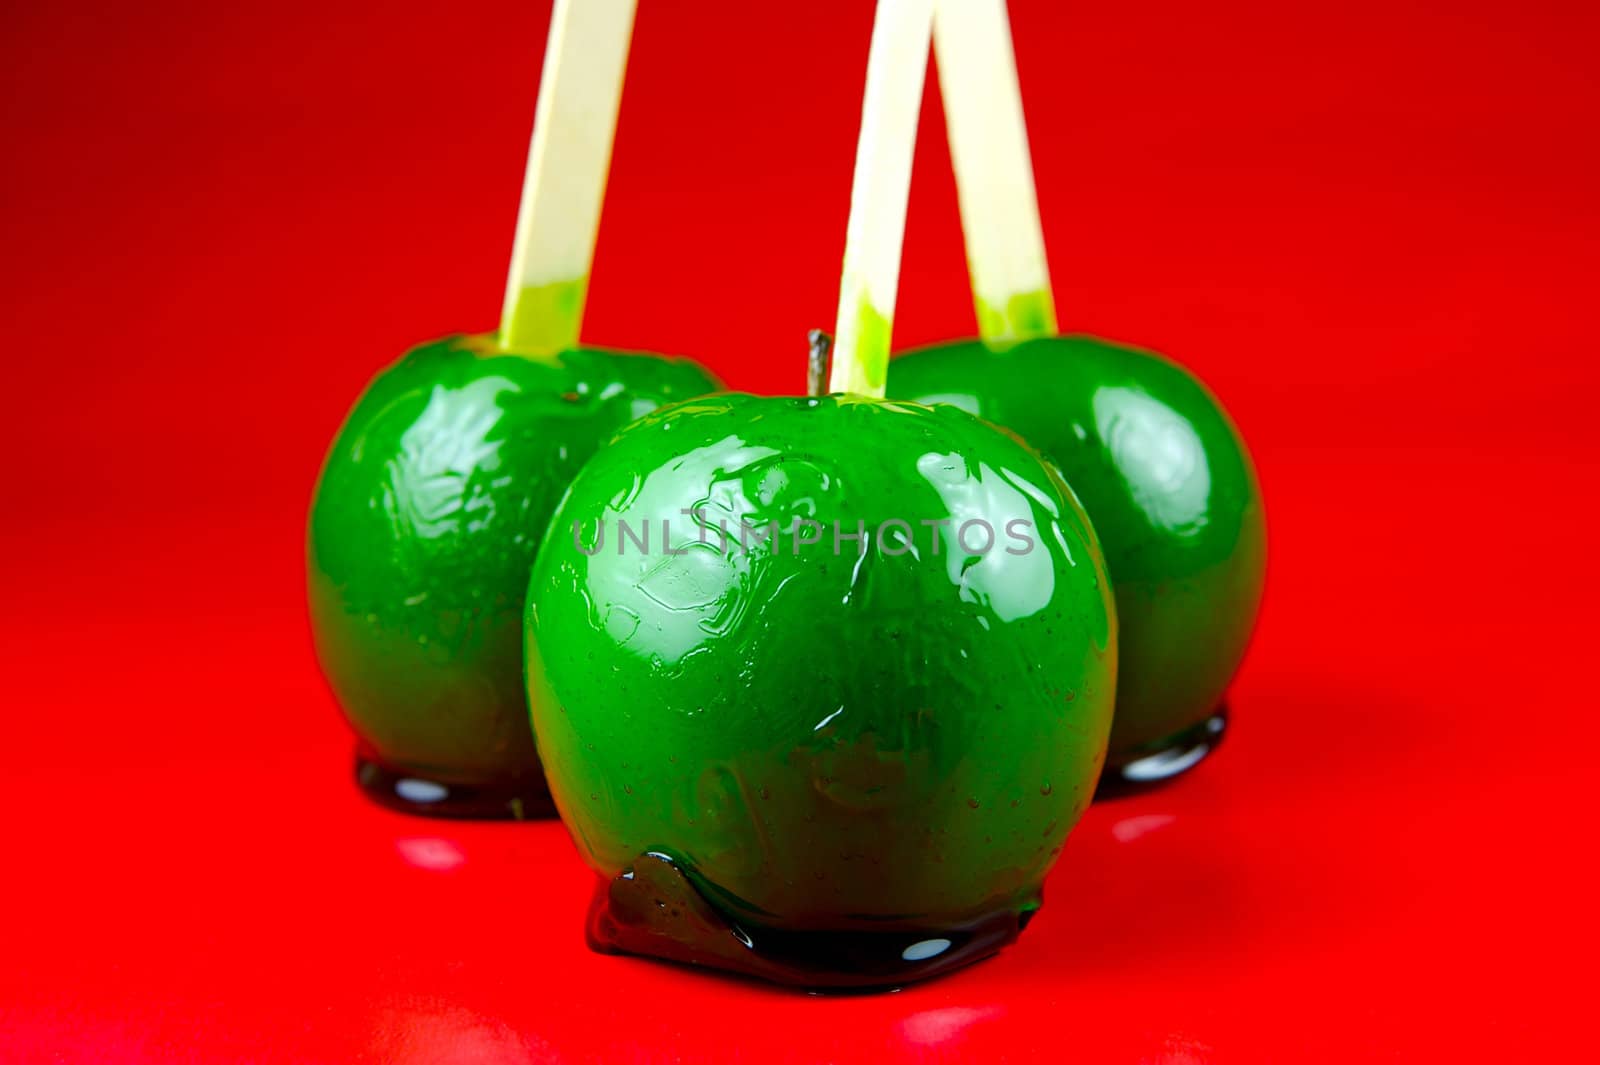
841	735
423	530
1169	485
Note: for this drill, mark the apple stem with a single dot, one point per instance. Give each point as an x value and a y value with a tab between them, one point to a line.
580	90
994	171
897	64
817	361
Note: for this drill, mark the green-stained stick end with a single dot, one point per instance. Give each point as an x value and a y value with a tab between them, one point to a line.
1025	316
544	319
866	366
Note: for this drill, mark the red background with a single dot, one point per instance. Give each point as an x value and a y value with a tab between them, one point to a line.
1371	226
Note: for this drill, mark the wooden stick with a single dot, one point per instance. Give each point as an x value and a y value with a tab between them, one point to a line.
994	172
897	64
576	121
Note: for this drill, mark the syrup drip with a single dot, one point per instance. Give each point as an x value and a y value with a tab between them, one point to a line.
652	909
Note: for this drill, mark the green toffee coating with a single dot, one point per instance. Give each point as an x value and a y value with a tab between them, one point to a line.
771	644
423	530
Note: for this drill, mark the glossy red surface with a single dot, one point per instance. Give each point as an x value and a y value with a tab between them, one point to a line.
1372	229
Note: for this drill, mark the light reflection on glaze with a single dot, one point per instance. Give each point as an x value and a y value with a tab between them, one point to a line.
447	469
1011	585
1159	453
705	592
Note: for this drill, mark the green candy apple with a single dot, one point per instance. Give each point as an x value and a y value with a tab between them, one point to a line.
1169	485
821	684
422	532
